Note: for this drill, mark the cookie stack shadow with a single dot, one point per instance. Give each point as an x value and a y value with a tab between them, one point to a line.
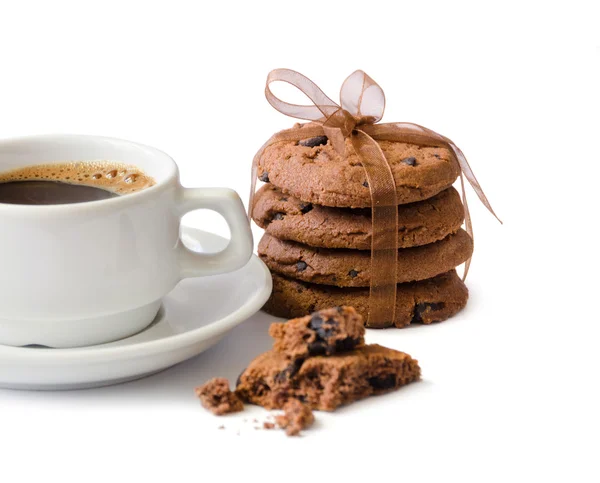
315	210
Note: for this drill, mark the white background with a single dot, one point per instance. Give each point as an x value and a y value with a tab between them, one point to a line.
509	385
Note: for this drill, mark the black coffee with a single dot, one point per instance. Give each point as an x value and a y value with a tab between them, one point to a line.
71	182
50	193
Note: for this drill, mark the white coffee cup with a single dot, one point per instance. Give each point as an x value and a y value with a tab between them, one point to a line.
87	273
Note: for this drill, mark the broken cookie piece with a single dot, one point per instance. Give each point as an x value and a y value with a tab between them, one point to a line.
326	332
325	382
296	417
216	396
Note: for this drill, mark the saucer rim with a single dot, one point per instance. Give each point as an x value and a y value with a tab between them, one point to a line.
173	342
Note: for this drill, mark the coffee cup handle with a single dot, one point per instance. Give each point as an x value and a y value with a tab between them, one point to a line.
227	203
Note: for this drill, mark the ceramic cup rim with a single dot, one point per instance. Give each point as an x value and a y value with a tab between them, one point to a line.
171	174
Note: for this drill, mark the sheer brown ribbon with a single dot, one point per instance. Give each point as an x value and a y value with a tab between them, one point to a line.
362	106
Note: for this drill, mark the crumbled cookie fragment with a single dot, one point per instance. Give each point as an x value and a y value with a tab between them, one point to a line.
325	332
295	418
326	382
216	396
268	425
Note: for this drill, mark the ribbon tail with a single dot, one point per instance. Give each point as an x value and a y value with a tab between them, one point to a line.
468	172
468	223
410	130
384	237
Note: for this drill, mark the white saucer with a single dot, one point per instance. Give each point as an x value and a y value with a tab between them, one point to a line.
194	317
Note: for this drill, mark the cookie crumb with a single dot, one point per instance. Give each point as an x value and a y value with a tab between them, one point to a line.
268	425
295	418
221	427
216	396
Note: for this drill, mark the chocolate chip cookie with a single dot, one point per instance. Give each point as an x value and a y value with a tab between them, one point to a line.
326	382
325	332
312	171
352	268
427	301
289	218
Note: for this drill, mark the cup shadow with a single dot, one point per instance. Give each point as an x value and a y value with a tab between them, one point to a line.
228	358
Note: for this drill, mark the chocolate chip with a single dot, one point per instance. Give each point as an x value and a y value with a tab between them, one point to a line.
283	198
316	324
280	377
290	371
264	177
381	383
260	388
305	208
301	266
420	309
366	184
312	142
313	375
316	321
436	156
409	161
345	345
278	216
353	273
317	348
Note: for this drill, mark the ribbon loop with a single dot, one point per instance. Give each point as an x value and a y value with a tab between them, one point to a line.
362	97
323	105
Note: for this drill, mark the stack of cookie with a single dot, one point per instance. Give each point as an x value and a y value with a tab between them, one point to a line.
315	209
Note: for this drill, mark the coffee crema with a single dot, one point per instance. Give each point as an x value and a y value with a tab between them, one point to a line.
73	182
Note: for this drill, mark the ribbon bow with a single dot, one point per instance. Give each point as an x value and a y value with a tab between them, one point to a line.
362	106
